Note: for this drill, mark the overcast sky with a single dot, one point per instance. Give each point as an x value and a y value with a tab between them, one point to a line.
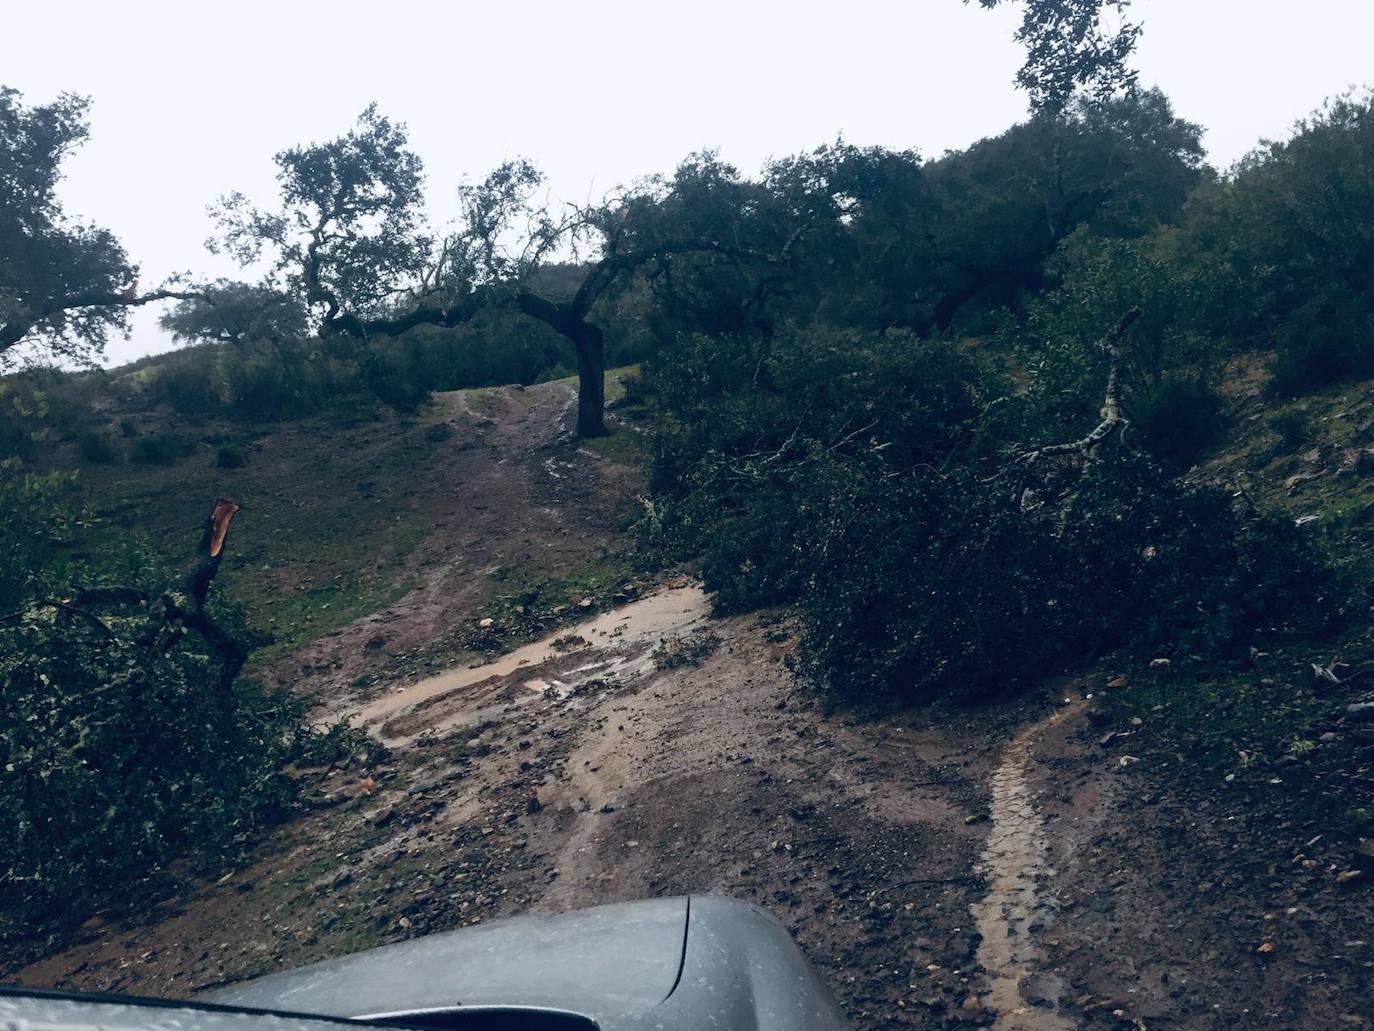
192	98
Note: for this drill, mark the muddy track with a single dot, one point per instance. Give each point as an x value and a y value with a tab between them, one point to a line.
513	502
629	781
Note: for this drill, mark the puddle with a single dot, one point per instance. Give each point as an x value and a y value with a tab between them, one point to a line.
620	646
1014	864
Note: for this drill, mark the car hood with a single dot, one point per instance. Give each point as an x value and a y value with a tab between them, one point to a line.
610	963
678	964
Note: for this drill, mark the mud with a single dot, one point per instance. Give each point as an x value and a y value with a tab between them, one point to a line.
614	646
1020	903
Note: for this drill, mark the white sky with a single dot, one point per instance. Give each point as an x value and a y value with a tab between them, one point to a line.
192	98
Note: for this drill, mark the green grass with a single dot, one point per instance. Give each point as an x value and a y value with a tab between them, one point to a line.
330	514
624	446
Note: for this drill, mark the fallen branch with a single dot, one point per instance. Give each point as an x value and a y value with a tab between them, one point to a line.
174	612
1112	419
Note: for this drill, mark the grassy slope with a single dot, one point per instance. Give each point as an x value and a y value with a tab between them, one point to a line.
331	509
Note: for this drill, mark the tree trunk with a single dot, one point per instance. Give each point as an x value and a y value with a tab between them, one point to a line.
591	381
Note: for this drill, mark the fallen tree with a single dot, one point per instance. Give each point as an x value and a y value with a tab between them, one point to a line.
128	739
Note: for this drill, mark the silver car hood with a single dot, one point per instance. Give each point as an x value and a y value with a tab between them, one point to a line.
663	964
609	963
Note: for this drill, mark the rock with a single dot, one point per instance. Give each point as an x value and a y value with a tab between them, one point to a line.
1305	520
585	603
1118	681
1108	738
1323	676
972	1005
1328	737
382	817
1348	878
485	623
1360	712
341	877
1163	665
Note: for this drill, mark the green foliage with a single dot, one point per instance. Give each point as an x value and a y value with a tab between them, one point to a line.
1288	234
348	229
1179	421
438	432
159	448
229	457
743	417
1058	339
48	259
1294	427
1068	50
869	480
97	448
118	759
692	650
188	386
122	748
929	586
36	528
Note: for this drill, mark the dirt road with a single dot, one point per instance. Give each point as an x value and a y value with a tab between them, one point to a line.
989	866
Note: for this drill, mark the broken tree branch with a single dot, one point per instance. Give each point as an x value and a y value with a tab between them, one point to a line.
1111	418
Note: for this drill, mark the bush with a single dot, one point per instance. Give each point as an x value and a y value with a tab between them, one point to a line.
229	457
124	747
881	484
189	386
97	448
1179	421
1293	426
122	758
437	433
158	449
927	587
1327	340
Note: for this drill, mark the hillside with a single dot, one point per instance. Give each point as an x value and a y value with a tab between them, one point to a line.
1088	856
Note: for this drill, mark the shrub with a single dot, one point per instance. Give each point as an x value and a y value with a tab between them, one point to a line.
437	433
125	748
1179	421
188	385
158	449
229	457
1326	340
97	448
261	389
127	427
927	587
692	650
883	486
1293	426
122	758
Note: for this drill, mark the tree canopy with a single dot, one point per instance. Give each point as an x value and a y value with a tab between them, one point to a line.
65	284
1069	50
